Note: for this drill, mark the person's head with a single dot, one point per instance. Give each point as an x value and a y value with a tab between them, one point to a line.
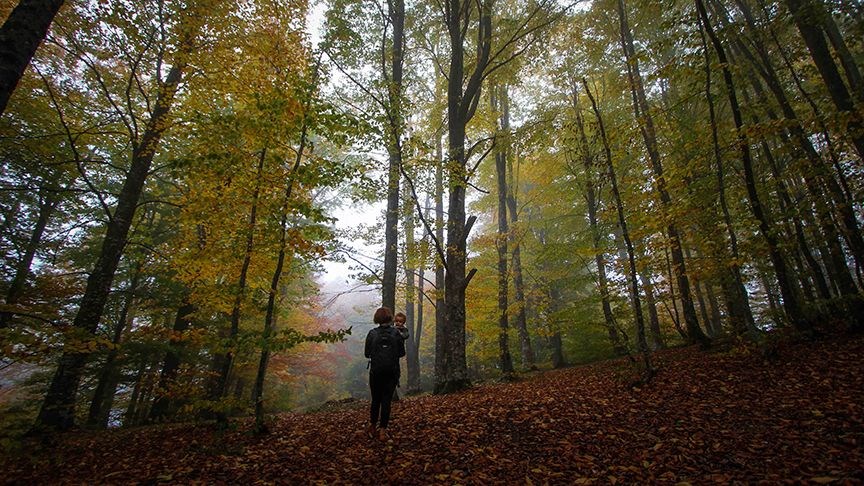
383	316
400	318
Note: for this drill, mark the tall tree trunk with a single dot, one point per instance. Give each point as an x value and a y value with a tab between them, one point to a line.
396	15
142	408
20	36
439	262
713	309
803	245
847	60
820	120
780	49
641	342
790	298
700	299
461	105
132	407
504	361
735	295
801	239
410	275
220	391
817	174
599	255
673	312
770	296
413	358
655	336
273	291
795	212
164	404
646	126
58	408
520	318
805	15
555	301
103	396
47	204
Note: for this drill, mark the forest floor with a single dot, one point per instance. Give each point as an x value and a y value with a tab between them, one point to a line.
794	414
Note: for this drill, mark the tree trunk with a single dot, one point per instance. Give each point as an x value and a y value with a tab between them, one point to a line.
818	173
410	275
505	362
521	320
646	125
103	396
599	255
700	299
641	342
790	298
439	263
413	359
798	213
273	291
714	310
826	136
131	409
735	295
164	404
847	60
770	296
394	151
673	313
58	408
460	109
20	36
142	408
806	17
221	389
655	336
47	204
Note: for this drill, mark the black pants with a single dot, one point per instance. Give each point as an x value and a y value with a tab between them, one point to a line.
382	386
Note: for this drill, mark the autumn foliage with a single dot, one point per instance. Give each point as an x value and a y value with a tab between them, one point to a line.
791	413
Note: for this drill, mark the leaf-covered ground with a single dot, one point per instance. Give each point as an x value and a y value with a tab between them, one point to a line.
795	414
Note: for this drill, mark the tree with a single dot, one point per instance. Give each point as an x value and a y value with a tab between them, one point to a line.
807	15
506	362
463	96
790	298
57	411
393	110
648	370
20	36
646	127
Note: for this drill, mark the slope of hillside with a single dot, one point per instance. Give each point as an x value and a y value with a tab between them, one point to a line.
707	417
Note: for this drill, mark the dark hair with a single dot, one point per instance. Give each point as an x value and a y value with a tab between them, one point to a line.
400	314
383	315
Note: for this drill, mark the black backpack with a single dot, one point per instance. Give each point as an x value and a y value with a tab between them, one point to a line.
385	351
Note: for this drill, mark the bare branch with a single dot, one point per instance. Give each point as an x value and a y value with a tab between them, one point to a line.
355	81
72	144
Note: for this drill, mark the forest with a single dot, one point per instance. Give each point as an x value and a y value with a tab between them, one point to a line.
602	212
